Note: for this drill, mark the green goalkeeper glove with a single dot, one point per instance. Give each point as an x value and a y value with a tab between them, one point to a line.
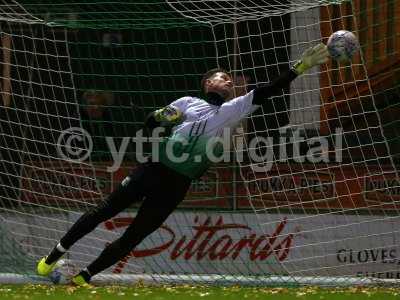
312	57
169	114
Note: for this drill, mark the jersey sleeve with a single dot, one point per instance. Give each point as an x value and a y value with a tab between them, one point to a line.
239	107
181	103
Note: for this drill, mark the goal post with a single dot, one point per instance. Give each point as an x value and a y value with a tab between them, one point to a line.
309	193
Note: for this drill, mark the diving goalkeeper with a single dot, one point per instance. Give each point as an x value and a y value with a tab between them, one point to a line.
162	185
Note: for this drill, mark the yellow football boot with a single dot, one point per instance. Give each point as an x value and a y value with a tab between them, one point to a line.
44	269
78	280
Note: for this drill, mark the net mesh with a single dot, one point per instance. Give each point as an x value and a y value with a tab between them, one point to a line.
321	201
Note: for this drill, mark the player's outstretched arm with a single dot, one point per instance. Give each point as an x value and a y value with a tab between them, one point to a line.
168	115
311	57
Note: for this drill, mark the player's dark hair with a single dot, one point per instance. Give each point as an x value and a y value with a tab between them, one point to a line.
209	74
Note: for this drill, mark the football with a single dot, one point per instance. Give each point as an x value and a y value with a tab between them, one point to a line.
63	271
342	45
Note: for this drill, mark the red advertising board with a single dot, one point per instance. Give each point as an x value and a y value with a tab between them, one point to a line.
288	186
332	187
57	183
285	186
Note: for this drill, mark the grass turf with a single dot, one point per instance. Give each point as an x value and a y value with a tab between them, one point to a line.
44	292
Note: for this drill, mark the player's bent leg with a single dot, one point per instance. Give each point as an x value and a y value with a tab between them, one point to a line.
87	223
148	219
118	200
153	212
128	192
169	189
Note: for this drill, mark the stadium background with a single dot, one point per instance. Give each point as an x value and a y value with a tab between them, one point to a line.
129	60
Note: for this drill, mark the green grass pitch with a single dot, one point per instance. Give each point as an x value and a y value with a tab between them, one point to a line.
45	292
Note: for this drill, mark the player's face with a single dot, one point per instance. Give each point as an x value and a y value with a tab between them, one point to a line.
222	84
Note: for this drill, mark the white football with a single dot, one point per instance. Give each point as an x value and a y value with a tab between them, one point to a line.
63	271
342	45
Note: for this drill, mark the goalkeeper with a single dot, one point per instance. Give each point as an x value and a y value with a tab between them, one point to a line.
163	185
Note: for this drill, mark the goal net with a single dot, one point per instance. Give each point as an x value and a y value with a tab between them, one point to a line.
309	190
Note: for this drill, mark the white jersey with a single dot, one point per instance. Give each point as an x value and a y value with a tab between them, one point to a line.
186	149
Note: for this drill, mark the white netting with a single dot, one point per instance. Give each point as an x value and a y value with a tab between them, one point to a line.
321	204
12	11
222	11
